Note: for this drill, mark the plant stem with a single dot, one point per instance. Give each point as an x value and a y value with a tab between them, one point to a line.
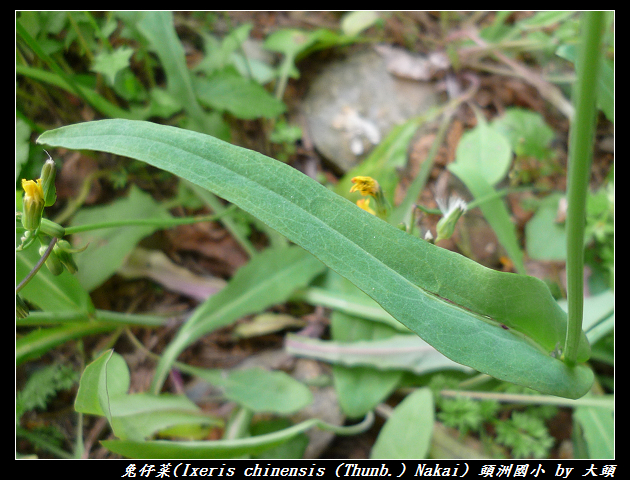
580	156
159	222
37	266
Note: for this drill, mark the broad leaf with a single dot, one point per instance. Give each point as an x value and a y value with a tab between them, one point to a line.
103	391
502	324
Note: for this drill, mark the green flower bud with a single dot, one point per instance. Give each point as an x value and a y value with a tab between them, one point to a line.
52	262
33	204
452	211
48	182
62	250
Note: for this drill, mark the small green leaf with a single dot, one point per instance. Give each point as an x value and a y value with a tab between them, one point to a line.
240	96
22	144
527	131
103	391
259	390
290	42
486	151
545	238
110	63
138	416
354	23
407	432
105	378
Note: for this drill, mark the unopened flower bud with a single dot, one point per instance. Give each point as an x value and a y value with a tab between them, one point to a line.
62	250
48	182
32	204
452	211
52	262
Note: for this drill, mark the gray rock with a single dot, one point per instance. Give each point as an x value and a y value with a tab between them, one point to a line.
352	105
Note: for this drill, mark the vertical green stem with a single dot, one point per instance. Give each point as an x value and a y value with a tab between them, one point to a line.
580	155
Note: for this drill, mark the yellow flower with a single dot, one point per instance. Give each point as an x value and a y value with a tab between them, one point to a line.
369	186
365	185
33	188
33	203
364	203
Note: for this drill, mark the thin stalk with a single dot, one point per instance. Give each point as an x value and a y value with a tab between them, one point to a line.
602	401
580	156
414	190
403	211
115	319
37	266
80	38
155	222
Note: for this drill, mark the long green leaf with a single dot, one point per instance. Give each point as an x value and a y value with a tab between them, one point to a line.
502	324
159	30
400	352
226	448
36	343
204	449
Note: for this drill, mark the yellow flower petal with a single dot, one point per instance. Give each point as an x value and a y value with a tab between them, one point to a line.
365	185
364	203
33	189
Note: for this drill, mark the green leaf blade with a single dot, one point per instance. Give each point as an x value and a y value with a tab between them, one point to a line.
434	292
407	433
